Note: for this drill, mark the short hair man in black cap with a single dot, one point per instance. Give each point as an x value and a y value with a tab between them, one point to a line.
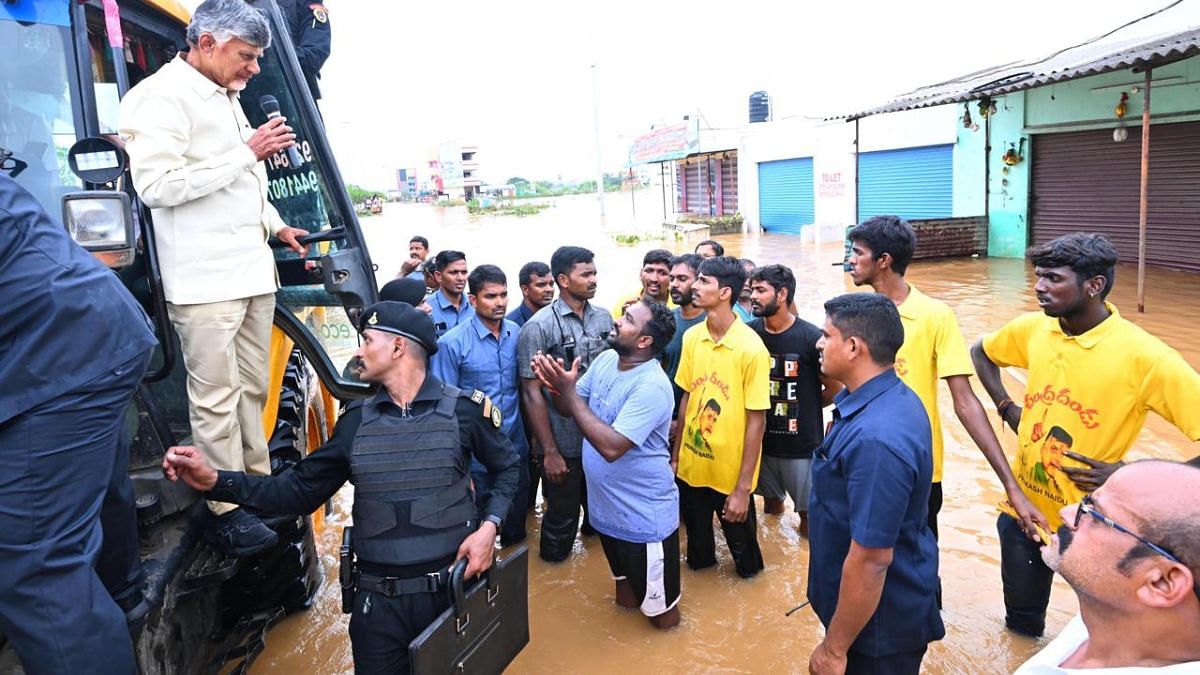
414	433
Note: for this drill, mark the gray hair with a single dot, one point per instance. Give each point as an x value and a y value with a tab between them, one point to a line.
225	19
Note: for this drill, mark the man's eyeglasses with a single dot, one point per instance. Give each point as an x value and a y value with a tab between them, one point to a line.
1088	506
11	165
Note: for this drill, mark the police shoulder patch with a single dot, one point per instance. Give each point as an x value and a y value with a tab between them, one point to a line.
477	397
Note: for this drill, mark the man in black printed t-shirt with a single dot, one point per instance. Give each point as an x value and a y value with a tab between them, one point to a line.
798	392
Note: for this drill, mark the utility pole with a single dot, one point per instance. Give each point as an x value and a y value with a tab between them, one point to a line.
596	131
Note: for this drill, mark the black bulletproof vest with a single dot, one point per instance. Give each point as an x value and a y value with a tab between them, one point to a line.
412	489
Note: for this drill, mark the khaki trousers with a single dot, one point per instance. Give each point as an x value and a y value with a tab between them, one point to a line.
225	346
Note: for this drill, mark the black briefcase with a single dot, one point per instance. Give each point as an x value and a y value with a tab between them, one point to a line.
486	626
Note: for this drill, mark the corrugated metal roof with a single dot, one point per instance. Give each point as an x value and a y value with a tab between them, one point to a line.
1070	64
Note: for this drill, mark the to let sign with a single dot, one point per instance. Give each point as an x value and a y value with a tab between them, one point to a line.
831	185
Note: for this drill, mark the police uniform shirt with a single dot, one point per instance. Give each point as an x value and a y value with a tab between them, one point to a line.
67	318
316	478
308	25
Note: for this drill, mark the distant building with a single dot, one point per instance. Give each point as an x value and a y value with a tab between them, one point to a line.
450	170
406	183
705	166
470	170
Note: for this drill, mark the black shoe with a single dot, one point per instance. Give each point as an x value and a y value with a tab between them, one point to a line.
505	542
239	534
135	616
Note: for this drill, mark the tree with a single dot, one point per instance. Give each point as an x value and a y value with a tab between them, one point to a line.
516	180
359	195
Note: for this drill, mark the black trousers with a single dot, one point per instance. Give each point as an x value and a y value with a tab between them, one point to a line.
58	462
513	530
534	471
935	507
381	628
560	522
902	663
697	506
1026	579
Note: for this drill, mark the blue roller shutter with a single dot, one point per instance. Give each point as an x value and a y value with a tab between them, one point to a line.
785	195
910	182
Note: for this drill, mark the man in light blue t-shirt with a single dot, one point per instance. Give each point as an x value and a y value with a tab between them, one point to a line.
622	405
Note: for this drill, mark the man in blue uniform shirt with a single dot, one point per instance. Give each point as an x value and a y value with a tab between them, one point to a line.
406	450
873	562
73	347
447	303
482	354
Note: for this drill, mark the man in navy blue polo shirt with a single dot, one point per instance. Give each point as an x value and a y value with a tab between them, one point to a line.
873	562
74	345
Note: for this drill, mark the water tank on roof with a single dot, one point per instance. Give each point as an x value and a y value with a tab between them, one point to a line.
760	107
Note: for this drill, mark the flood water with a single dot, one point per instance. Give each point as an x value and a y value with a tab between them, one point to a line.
729	624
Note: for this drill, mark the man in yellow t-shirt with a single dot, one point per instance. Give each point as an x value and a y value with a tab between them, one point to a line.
724	372
656	282
1092	378
880	250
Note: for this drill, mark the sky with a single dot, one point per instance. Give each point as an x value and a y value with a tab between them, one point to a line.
516	78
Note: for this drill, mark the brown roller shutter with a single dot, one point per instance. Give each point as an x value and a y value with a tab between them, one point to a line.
729	185
1083	181
697	195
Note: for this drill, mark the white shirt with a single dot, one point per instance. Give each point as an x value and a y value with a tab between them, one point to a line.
1049	660
186	139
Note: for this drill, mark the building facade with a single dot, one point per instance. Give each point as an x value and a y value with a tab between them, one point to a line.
1026	153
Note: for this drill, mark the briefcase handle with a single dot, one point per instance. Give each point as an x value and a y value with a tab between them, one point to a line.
458	592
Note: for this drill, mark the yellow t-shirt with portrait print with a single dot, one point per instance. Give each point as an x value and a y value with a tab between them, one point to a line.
933	349
1088	394
723	380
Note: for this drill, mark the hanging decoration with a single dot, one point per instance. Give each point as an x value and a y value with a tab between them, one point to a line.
967	122
1120	133
1015	153
987	107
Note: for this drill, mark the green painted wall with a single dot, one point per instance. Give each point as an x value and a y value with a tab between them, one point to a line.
968	169
1087	103
1008	187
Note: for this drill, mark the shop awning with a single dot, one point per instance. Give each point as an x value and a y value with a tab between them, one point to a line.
1069	64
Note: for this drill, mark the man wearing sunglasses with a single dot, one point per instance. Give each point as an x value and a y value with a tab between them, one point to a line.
1131	552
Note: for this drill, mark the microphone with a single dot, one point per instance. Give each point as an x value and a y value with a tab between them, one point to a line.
270	108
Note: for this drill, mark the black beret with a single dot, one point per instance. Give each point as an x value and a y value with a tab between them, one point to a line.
403	289
401	318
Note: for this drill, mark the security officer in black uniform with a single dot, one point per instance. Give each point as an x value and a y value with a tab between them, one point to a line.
74	345
308	23
407	450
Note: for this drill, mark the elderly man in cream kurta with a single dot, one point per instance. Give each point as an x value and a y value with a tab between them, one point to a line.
197	164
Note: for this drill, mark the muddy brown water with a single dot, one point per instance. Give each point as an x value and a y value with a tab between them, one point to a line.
732	625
